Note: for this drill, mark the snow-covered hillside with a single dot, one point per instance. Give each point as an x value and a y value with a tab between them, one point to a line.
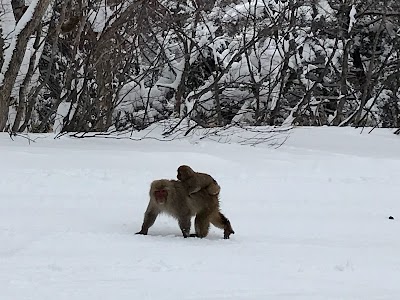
311	219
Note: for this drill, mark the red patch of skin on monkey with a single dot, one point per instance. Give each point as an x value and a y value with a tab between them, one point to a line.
161	196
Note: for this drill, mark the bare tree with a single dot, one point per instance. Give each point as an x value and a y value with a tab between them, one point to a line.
11	68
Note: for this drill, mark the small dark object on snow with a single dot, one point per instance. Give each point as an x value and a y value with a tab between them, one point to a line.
391	218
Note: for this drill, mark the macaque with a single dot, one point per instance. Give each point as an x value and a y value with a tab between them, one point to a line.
195	181
171	197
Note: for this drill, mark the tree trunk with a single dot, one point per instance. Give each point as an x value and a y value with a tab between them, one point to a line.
11	72
343	85
23	90
1	48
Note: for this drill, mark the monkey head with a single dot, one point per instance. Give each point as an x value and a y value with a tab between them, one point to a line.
184	173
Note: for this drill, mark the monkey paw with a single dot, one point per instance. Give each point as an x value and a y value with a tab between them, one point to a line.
227	234
141	232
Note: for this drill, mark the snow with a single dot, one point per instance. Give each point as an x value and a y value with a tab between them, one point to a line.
311	218
62	112
352	16
240	11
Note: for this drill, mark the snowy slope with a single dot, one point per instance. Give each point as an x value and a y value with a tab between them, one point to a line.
311	219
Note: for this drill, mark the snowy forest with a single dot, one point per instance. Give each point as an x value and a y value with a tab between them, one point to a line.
98	65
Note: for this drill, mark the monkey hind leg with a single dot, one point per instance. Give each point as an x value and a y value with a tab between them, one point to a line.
219	220
202	224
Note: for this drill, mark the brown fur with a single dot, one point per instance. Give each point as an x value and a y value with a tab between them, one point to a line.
171	197
195	181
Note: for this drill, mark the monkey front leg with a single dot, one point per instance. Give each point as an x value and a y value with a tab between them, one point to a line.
150	217
193	190
192	185
184	225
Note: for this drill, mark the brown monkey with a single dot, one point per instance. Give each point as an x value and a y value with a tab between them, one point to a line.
171	197
195	181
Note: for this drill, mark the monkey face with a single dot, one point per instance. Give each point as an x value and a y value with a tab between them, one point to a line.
161	196
180	173
179	176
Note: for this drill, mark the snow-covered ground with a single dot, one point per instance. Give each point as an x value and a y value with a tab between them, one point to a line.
311	219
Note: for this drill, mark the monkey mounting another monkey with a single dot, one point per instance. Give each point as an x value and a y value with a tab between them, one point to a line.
195	181
171	197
